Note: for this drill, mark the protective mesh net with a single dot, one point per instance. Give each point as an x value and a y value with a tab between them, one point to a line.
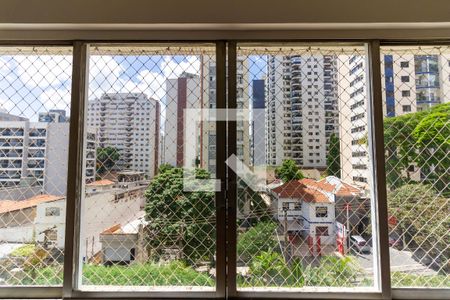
416	90
35	87
140	226
309	226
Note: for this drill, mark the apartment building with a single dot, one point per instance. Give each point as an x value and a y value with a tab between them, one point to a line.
301	108
129	122
191	91
36	153
258	128
410	82
53	116
181	93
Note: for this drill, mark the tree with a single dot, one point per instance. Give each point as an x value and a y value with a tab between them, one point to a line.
106	159
179	219
432	136
288	171
423	218
164	168
256	240
334	157
419	139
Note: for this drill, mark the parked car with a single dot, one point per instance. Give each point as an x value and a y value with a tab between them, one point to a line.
395	242
359	244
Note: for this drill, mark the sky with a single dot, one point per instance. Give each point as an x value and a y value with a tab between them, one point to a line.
30	84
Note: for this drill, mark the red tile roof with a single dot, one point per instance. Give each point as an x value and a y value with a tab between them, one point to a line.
11	205
296	189
344	190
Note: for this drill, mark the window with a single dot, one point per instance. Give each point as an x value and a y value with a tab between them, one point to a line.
52	211
406	93
321	212
147	223
34	142
404	64
404	78
406	108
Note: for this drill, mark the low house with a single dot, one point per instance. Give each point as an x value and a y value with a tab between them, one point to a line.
352	207
123	244
38	219
306	211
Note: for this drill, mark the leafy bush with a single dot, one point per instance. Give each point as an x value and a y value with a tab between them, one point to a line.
256	240
174	273
400	279
270	269
24	251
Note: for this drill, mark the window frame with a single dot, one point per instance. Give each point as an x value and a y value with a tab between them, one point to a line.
226	239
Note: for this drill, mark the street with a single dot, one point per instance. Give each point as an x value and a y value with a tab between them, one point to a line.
401	261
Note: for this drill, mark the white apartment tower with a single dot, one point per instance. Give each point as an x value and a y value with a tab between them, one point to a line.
301	108
38	153
128	122
411	82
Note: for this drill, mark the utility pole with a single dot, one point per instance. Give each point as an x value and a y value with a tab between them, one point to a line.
347	209
286	240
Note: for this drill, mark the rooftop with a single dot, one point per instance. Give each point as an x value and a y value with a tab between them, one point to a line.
102	182
131	227
296	189
12	205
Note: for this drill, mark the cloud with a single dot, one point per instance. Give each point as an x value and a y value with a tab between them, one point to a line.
172	69
150	83
43	70
104	74
33	83
55	98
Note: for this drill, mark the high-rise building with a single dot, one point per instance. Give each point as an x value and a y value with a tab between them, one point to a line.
181	93
38	152
199	92
258	127
301	108
128	122
410	82
53	116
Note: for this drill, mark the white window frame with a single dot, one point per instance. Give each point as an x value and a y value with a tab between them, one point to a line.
225	288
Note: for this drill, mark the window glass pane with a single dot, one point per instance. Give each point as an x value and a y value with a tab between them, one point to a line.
35	87
148	218
417	147
305	143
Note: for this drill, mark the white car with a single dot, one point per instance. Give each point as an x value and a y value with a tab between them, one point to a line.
359	244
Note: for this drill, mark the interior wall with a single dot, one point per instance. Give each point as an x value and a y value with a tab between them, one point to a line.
223	19
223	11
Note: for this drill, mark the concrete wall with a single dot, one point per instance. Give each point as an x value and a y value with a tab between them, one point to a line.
56	222
101	211
22	234
55	177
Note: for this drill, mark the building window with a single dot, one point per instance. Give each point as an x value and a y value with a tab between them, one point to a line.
322	231
52	211
404	64
405	78
406	93
406	108
321	212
